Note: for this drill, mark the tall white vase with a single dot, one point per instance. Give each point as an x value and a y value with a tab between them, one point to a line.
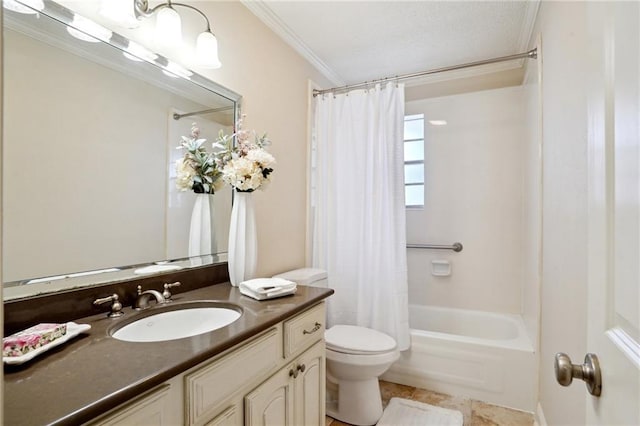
202	239
243	240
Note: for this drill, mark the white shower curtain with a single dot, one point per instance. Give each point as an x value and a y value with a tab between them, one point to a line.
358	211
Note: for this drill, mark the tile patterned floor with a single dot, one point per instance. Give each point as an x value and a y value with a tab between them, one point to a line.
476	413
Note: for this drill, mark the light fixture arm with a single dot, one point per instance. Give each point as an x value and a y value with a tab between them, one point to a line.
142	10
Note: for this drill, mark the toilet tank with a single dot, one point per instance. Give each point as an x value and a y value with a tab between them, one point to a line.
306	276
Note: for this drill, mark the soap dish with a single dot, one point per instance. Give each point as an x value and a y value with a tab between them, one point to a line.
73	330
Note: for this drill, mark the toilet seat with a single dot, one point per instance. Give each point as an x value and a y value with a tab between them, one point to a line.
354	340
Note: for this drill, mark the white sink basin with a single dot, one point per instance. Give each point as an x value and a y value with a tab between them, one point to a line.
180	322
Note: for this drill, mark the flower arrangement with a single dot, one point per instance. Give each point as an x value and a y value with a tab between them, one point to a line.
247	166
197	170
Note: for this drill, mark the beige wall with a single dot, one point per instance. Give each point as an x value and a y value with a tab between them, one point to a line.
562	27
273	80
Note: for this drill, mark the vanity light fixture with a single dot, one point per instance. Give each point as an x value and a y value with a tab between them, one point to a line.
28	7
120	12
168	27
438	122
168	30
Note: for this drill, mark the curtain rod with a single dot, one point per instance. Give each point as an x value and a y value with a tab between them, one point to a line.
531	54
177	116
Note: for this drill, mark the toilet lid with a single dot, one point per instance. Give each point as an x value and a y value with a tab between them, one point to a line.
358	340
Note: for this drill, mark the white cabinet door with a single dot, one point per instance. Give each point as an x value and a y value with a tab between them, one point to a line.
614	210
309	387
271	403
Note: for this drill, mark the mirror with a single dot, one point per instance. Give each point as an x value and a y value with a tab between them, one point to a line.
89	148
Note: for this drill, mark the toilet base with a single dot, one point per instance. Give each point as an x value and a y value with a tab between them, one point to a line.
358	403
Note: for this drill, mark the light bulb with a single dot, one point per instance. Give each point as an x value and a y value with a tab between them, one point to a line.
168	27
207	51
120	11
86	30
21	7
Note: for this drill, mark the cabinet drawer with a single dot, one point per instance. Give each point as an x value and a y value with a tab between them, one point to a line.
208	387
304	330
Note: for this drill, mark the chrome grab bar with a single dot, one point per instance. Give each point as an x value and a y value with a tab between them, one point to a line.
457	247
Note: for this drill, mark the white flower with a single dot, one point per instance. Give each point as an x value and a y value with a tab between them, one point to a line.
262	157
243	174
185	174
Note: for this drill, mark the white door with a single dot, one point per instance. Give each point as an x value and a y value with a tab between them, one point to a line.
614	210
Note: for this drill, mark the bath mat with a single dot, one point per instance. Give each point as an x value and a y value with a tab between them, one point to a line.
403	412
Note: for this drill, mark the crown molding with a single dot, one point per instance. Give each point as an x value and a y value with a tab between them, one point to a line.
263	12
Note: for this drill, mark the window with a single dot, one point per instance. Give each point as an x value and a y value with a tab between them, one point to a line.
414	160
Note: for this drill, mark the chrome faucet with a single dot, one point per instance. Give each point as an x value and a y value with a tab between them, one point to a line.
142	300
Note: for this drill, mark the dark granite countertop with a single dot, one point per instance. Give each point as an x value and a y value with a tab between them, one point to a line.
93	373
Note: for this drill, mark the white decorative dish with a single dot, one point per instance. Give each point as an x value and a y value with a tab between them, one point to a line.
73	330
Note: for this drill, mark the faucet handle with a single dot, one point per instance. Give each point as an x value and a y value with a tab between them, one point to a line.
116	306
166	293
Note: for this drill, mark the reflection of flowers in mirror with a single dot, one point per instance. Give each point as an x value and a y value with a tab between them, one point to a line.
247	166
197	169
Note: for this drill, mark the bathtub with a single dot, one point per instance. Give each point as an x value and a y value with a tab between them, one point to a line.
479	355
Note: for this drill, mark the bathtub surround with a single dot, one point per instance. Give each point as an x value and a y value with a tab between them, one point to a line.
473	194
482	187
358	208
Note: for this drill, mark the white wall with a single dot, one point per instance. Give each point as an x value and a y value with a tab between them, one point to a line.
473	194
562	28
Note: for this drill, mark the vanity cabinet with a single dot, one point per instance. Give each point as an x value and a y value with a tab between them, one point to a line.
275	378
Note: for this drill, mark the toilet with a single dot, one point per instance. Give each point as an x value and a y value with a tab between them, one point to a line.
356	357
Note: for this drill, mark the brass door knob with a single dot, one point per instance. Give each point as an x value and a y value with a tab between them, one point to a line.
589	372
